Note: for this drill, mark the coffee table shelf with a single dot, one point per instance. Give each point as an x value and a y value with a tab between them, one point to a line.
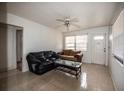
71	67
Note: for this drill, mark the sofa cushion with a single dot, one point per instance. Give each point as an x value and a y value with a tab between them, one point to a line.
66	52
72	53
65	57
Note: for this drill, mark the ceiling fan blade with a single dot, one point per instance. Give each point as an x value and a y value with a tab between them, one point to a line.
60	25
61	20
74	20
75	25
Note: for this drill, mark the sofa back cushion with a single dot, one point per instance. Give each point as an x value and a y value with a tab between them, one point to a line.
66	52
45	55
70	52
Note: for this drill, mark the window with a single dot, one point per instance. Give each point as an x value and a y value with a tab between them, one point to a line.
81	42
69	42
98	37
76	42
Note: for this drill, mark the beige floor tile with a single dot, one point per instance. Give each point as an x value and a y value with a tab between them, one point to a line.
93	77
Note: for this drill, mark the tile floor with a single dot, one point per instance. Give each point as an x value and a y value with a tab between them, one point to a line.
94	77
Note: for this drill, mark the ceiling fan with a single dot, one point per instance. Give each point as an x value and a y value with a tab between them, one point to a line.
67	22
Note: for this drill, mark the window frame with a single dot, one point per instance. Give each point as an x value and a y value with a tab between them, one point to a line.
75	44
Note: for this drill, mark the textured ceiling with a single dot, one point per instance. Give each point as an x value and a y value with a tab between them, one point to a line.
89	14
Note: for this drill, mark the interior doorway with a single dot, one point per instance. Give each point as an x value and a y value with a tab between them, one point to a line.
99	48
19	42
14	47
11	40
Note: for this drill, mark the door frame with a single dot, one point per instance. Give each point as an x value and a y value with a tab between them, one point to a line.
19	29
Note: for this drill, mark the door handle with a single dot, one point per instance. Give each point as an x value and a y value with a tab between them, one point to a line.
104	49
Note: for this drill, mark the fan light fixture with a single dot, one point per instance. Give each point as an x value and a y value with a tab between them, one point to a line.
69	21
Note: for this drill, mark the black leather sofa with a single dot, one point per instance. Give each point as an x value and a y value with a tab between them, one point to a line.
41	62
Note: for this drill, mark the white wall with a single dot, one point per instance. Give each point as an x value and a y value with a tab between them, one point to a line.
116	68
36	37
11	48
90	32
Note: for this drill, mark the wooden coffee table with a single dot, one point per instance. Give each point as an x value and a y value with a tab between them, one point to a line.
71	67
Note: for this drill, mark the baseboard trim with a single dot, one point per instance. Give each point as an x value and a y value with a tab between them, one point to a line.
115	87
25	70
11	68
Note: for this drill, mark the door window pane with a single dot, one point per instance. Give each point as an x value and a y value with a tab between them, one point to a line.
98	37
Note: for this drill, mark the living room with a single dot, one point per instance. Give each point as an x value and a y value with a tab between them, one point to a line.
78	57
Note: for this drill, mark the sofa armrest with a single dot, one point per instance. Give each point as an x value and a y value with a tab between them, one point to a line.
32	60
60	53
79	56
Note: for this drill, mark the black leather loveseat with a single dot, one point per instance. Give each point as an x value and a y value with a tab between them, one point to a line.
41	62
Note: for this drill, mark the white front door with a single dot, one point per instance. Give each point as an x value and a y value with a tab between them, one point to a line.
98	49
